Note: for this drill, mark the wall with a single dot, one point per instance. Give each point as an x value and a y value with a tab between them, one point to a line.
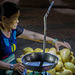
44	3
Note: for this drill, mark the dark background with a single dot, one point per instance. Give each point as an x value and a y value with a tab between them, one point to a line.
60	21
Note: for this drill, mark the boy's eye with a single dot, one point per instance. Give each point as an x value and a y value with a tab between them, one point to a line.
15	19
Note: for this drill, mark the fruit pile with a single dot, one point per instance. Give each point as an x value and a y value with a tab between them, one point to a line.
65	65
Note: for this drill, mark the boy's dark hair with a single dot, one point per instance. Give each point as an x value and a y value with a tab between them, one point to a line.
1	12
8	9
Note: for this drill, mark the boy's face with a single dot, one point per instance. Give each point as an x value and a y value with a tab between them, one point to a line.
12	22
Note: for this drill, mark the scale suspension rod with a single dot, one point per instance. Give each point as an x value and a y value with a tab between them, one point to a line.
45	25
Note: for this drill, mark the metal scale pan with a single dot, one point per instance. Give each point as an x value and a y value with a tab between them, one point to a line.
41	61
33	61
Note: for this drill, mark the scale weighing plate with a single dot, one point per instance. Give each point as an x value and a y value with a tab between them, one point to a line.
33	61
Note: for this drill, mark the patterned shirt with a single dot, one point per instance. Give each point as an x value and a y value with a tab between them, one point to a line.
9	45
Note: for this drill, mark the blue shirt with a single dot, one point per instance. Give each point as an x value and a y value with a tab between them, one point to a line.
9	45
